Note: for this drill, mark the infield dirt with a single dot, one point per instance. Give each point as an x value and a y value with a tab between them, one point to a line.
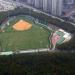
22	25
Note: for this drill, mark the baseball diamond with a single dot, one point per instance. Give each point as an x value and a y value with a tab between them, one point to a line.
23	34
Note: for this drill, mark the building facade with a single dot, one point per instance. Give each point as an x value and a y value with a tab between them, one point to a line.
54	7
50	6
69	1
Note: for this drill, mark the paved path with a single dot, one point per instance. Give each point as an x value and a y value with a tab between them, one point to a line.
35	51
24	51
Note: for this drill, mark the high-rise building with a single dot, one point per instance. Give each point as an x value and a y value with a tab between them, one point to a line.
32	2
36	3
51	6
68	4
45	2
41	4
59	7
69	1
56	7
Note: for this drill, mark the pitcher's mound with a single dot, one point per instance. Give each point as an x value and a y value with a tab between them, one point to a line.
22	25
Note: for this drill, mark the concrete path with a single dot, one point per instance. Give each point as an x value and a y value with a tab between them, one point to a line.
24	51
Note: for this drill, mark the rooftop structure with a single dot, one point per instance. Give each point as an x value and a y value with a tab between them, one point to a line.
5	5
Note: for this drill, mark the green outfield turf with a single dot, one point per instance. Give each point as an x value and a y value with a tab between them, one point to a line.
35	38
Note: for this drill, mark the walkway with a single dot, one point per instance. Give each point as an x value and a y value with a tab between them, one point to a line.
25	51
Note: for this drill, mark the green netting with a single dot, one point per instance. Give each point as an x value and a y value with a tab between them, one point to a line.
29	17
61	40
43	22
60	33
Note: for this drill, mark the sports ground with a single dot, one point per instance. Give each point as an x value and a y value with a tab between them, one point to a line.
23	34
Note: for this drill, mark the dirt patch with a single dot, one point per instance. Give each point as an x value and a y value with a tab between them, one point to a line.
22	25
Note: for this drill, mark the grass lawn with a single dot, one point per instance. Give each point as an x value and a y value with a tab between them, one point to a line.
35	38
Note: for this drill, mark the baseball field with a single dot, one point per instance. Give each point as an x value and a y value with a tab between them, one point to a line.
23	34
